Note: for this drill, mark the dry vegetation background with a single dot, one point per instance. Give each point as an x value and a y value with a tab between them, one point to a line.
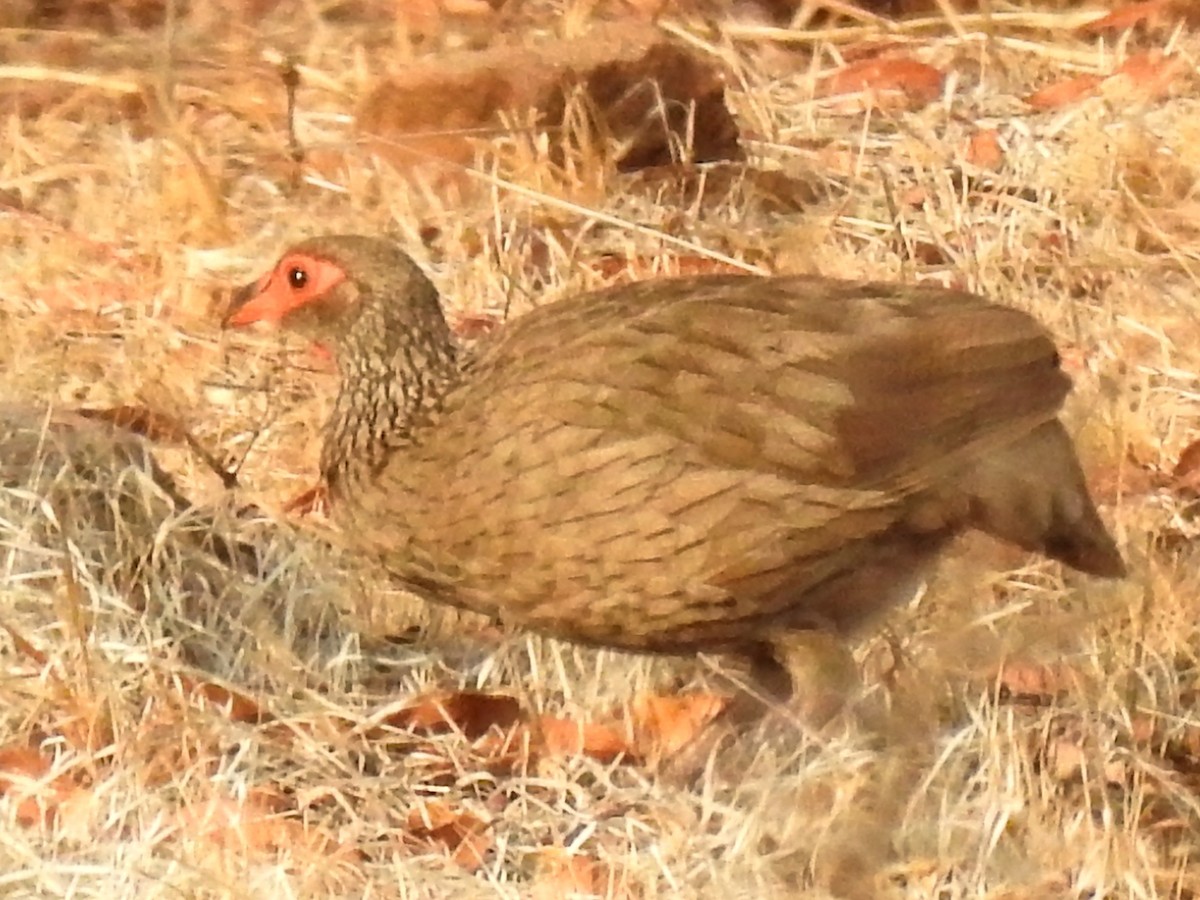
212	702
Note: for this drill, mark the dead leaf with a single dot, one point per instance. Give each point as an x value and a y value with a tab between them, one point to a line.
1067	759
1181	745
1187	469
1151	12
984	149
470	712
429	115
25	647
1026	681
24	779
22	760
562	874
914	196
420	16
1061	93
161	428
1142	76
85	723
265	821
466	837
1147	76
666	725
890	82
567	737
235	705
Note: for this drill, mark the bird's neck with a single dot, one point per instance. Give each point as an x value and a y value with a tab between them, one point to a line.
394	376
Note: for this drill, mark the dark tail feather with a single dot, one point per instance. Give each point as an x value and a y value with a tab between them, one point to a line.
1033	494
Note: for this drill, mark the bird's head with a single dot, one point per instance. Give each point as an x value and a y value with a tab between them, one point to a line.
322	286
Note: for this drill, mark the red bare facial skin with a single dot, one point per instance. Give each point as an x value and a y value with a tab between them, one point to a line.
297	279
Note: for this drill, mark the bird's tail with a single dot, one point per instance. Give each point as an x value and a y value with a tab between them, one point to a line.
1033	493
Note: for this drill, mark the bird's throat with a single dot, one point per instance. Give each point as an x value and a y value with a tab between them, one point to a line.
393	382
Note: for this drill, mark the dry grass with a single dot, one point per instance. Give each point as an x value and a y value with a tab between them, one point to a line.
121	220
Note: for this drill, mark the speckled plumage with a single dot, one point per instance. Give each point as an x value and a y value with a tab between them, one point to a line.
691	464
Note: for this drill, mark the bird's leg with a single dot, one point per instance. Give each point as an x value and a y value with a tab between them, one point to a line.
821	671
767	684
810	673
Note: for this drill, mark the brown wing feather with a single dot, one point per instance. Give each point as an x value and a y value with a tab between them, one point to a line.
839	383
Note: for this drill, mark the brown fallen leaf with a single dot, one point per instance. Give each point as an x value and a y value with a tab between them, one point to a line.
236	706
984	149
466	837
24	779
891	82
1142	76
1061	93
84	722
471	712
1187	469
566	737
1152	13
562	874
264	821
25	647
1067	760
1170	738
664	725
1145	76
1026	681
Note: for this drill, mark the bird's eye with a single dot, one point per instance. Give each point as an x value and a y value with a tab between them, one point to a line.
297	278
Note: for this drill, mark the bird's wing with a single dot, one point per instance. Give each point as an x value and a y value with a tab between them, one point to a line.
844	384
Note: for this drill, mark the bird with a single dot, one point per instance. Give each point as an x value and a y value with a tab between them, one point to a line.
715	463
